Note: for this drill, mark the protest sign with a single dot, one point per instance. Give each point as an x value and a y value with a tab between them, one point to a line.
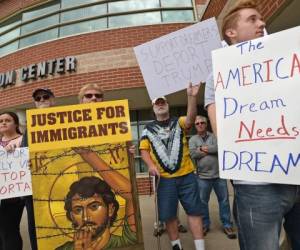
78	125
98	182
171	62
84	185
257	108
15	177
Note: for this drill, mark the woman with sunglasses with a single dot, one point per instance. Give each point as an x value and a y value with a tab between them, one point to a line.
11	210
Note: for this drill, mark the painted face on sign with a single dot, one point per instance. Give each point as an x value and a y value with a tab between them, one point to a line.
90	214
249	26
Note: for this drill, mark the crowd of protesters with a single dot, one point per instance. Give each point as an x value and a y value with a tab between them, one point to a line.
187	170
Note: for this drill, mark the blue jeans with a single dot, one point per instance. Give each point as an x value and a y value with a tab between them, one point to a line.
259	211
220	188
182	188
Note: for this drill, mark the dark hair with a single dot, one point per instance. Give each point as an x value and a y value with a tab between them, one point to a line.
15	118
87	187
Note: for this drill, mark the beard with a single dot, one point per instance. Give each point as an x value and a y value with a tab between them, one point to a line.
90	224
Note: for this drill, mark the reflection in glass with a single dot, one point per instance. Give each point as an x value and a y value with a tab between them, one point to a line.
9	35
176	3
135	19
43	10
84	13
121	6
40	37
40	24
9	48
177	16
82	27
134	131
72	3
7	25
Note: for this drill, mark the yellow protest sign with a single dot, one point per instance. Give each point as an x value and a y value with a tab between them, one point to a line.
78	125
85	197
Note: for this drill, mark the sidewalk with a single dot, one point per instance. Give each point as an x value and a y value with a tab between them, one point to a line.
214	240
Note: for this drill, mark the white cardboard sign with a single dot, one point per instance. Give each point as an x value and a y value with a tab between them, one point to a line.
257	86
15	177
169	63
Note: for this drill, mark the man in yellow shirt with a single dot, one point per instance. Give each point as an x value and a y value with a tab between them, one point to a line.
164	149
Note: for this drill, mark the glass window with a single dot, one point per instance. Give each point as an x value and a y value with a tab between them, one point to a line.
84	13
40	11
82	27
176	16
72	3
134	131
10	23
176	3
9	48
121	6
38	38
134	19
40	24
9	35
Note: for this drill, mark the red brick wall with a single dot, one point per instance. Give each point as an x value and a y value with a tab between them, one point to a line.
268	8
200	2
8	7
214	8
143	186
81	44
69	84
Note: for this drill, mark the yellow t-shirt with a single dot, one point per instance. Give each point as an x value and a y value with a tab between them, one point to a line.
158	140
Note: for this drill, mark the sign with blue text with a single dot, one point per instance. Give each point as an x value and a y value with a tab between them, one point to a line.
169	63
256	87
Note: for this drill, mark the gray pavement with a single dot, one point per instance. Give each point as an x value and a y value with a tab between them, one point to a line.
214	240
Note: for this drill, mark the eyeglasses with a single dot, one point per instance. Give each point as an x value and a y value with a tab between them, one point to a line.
40	97
197	123
89	96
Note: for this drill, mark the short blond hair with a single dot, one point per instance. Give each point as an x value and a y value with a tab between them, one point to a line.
89	86
232	16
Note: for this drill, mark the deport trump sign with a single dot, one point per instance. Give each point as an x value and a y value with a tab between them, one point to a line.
169	63
257	101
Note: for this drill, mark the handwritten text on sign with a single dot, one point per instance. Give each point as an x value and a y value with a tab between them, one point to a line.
170	62
258	108
78	125
15	177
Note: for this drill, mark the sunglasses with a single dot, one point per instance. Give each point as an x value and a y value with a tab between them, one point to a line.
40	97
197	123
89	96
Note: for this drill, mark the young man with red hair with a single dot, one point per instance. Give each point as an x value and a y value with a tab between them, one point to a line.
259	208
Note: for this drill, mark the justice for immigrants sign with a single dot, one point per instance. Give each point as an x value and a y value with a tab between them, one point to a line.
258	108
15	177
71	126
169	63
